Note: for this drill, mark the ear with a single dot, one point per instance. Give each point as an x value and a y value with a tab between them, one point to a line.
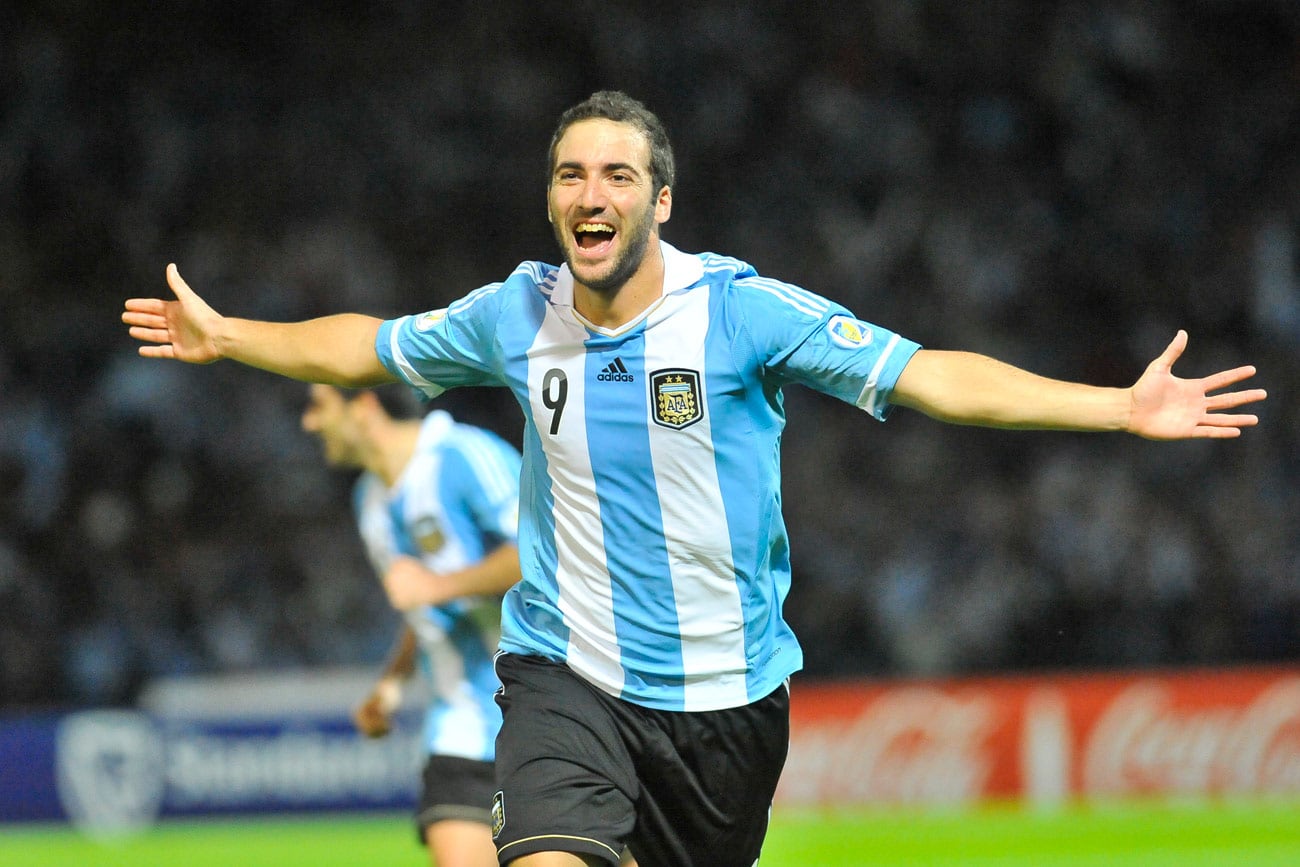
664	205
367	402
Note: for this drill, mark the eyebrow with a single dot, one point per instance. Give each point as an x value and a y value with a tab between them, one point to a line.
608	167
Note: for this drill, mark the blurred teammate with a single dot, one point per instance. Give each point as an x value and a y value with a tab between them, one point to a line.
645	654
437	507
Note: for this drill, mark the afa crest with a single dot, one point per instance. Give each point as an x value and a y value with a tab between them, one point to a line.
428	534
675	397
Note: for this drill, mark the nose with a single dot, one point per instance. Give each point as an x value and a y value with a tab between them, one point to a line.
593	196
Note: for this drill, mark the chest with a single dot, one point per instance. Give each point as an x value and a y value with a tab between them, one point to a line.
579	389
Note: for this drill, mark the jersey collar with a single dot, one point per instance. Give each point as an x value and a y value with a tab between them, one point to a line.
681	271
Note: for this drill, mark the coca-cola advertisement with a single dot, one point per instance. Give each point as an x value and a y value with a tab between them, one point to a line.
1046	740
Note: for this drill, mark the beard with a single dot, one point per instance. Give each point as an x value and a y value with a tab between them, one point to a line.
636	237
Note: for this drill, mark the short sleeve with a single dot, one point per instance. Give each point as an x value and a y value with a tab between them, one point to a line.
446	348
805	338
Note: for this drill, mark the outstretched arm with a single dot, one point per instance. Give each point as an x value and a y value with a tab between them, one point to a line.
965	388
338	350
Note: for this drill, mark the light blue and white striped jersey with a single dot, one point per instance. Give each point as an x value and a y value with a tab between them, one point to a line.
456	501
654	554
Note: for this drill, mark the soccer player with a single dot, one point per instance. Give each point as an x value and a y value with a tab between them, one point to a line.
437	505
645	657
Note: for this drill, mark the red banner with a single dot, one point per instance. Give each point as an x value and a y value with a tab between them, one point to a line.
1203	733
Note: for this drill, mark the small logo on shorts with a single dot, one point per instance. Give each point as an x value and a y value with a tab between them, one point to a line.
498	813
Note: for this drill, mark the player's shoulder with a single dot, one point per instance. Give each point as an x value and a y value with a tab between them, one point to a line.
531	278
462	434
367	484
368	492
533	273
720	269
528	279
474	460
740	282
475	444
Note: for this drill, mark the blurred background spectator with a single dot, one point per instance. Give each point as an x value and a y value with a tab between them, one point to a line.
1061	185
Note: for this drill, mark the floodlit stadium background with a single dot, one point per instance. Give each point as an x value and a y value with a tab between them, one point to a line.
1059	185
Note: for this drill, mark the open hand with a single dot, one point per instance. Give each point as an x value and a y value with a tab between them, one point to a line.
183	329
1165	407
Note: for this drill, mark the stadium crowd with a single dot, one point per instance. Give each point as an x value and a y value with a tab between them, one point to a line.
1059	185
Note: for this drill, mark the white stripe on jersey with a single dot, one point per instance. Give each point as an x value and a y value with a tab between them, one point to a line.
715	263
870	396
544	277
800	299
431	389
709	613
474	297
457	726
586	603
487	466
446	666
373	521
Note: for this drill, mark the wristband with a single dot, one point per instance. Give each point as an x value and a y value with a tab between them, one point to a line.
389	693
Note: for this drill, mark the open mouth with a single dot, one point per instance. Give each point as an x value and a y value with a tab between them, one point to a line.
593	237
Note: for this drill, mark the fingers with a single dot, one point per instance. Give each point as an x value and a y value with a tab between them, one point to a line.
141	307
145	321
138	310
1223	425
144	306
1216	433
1225	378
1173	351
1224	420
148	328
1234	398
147	318
178	285
149	333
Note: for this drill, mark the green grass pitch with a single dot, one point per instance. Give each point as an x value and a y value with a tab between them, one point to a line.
1256	833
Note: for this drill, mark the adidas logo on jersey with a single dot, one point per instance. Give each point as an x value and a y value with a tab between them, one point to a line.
615	372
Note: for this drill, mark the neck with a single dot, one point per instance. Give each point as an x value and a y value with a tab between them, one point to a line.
393	448
612	308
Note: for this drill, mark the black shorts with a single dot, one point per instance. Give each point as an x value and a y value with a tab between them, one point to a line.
581	771
455	788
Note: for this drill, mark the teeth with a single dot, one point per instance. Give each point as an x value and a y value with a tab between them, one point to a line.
595	227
